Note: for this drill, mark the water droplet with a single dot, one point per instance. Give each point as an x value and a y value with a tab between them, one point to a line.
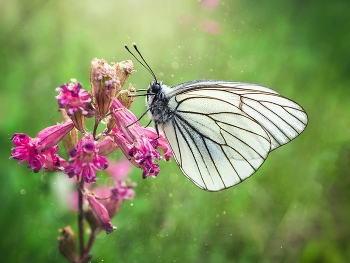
153	188
175	65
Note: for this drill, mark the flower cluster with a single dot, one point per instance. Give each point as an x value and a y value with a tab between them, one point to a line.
137	143
41	152
87	151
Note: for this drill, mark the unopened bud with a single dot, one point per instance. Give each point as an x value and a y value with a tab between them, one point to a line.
79	121
90	218
67	244
126	97
101	214
106	146
71	138
113	206
52	135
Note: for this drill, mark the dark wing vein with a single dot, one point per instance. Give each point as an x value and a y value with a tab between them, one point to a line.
186	129
199	140
232	125
213	162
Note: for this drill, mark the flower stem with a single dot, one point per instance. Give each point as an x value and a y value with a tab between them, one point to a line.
80	217
91	241
97	121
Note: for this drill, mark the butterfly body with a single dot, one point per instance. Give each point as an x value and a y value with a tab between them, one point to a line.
221	132
158	102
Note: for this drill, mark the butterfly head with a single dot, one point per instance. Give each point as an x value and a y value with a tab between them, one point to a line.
154	93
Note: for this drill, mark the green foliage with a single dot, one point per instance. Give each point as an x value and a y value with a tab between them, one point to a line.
294	209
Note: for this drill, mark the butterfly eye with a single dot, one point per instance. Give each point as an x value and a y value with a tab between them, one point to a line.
155	87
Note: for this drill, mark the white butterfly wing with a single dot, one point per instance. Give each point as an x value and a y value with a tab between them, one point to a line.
282	118
221	133
218	146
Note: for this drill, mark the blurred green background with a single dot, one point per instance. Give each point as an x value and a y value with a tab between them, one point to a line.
294	209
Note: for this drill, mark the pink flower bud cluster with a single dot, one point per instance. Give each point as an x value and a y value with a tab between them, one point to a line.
137	143
87	152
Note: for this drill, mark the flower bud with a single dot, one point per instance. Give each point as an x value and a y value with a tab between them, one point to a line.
79	120
113	206
67	244
106	146
101	214
71	139
52	135
126	96
90	218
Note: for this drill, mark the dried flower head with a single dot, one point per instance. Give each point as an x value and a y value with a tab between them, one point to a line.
105	85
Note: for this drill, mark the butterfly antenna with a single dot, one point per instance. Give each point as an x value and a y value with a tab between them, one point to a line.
145	64
135	47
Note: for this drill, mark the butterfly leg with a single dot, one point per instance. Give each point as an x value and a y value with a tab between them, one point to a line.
157	130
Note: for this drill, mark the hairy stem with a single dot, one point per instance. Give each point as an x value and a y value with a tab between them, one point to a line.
97	122
81	217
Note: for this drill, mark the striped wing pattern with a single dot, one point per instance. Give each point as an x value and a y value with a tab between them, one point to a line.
221	133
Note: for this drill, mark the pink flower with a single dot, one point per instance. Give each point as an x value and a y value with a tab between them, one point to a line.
123	191
26	150
210	4
119	170
161	142
52	161
73	97
112	199
136	145
40	152
86	160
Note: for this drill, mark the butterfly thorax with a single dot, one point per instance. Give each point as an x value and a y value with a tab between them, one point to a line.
157	102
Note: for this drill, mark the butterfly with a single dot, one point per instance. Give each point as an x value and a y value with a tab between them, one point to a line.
221	132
